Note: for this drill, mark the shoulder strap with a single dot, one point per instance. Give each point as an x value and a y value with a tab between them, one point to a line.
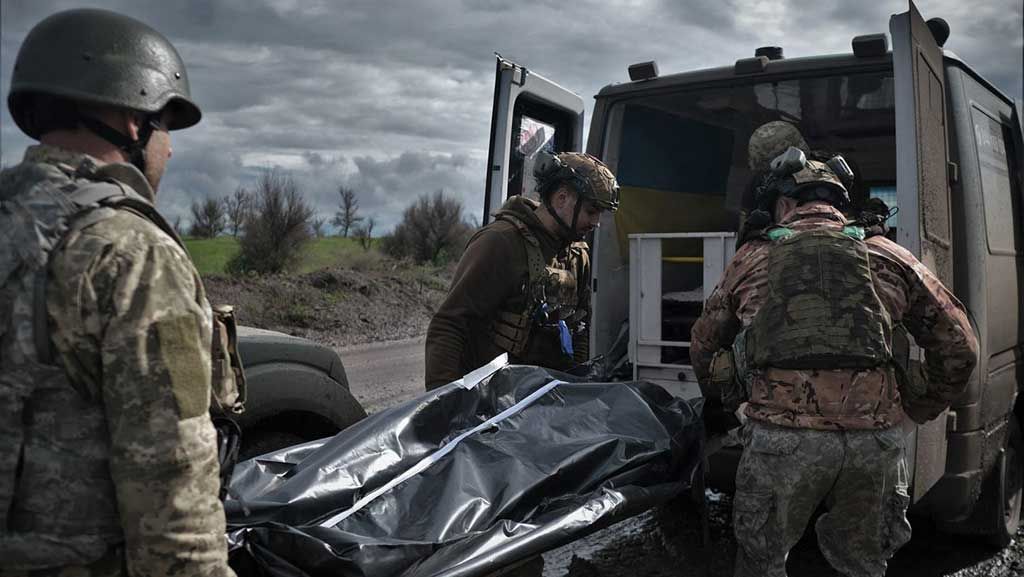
534	256
115	195
87	198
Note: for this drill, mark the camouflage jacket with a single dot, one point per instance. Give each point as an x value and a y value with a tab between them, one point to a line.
131	328
492	282
848	398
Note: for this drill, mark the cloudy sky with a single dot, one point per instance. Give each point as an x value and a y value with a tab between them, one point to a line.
393	98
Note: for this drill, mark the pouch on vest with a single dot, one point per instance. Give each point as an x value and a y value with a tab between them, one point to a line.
227	389
821	310
551	297
729	374
723	379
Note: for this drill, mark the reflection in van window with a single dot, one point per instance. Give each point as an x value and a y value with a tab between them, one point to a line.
681	157
534	136
886	194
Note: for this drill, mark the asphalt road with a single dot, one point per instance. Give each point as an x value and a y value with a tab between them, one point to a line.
381	375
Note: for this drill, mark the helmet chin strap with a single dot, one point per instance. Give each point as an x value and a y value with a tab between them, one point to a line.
134	149
568	232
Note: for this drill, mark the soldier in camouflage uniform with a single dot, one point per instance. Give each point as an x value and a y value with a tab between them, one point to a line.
806	310
108	458
523	284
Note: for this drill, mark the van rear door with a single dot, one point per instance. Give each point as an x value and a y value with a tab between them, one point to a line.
922	193
530	114
922	178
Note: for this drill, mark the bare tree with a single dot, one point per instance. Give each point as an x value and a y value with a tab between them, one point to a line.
177	226
317	225
364	232
278	228
432	230
207	218
237	207
347	217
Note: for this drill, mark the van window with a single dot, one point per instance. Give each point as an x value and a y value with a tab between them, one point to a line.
1002	201
689	148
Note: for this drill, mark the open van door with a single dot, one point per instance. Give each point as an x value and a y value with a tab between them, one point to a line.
530	114
922	194
922	177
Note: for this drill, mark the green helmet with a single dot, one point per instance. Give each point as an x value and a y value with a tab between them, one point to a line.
588	175
100	57
770	140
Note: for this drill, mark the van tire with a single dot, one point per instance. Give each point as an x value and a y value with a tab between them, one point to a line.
1010	487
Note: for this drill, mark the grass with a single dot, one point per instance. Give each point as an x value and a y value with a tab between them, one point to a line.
211	256
330	251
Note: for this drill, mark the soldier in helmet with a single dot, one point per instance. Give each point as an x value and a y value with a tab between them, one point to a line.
108	458
523	284
800	327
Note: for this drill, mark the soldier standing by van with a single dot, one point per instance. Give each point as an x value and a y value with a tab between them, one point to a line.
523	284
806	310
108	458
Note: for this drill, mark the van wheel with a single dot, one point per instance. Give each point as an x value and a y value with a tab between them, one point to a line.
1010	487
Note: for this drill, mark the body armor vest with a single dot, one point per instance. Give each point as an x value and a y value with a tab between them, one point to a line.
51	428
551	294
821	311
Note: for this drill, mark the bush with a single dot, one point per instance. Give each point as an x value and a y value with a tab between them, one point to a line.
279	227
432	230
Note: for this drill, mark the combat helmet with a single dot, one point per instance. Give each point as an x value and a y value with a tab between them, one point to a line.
101	57
770	140
587	175
779	153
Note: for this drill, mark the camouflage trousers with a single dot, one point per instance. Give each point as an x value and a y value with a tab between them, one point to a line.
785	474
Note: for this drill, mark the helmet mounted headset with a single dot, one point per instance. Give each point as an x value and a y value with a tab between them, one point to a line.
793	175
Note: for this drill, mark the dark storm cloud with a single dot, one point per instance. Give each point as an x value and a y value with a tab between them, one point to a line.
393	98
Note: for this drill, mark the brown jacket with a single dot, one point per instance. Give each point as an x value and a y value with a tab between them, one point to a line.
491	277
842	398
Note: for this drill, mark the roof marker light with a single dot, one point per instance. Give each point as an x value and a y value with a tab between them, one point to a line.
643	70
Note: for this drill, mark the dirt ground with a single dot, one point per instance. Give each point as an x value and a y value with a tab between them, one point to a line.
384	300
392	301
668	542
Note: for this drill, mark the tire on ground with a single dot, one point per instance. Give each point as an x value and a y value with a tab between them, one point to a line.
297	391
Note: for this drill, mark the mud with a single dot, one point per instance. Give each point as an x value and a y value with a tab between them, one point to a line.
668	541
